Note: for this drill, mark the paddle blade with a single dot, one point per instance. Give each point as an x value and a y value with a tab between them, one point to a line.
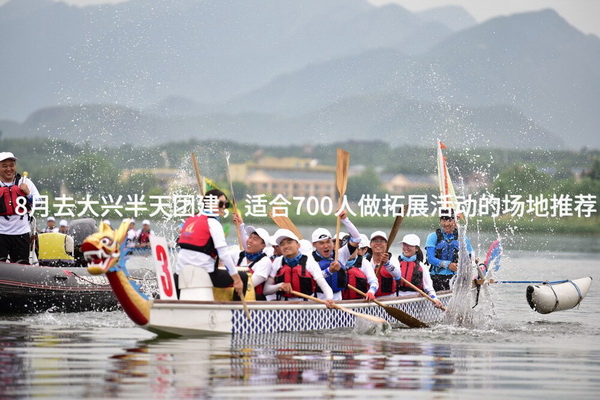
405	318
396	227
341	176
285	223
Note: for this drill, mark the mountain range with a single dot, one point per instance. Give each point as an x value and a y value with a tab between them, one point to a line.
281	71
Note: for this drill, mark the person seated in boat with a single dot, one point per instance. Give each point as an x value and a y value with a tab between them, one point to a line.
63	227
442	248
294	271
254	257
334	271
17	195
387	269
203	245
142	236
50	226
413	270
131	233
360	273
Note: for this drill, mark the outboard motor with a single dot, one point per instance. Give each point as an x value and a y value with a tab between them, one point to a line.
80	229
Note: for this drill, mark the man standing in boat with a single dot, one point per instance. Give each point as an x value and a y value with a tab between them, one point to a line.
442	252
16	198
203	245
294	271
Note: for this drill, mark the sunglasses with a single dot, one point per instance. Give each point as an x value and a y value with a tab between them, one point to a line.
224	204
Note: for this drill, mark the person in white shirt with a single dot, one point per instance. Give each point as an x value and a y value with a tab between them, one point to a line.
203	245
50	226
17	197
255	258
294	271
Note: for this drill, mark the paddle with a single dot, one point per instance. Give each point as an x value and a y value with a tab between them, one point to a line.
400	315
371	318
284	222
197	171
341	180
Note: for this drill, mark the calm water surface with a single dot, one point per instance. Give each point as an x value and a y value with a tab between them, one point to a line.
518	354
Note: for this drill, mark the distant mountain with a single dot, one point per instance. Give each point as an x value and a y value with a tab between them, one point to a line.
142	51
302	70
394	118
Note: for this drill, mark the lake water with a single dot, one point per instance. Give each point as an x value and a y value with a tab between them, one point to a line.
519	354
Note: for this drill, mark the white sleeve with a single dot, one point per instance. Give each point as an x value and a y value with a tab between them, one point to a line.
317	274
393	268
218	237
243	234
354	233
369	271
428	283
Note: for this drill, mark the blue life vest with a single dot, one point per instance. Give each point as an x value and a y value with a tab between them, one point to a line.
447	249
337	280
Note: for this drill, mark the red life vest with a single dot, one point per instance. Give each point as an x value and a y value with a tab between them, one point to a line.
258	290
298	276
195	235
387	283
144	237
13	201
358	279
412	272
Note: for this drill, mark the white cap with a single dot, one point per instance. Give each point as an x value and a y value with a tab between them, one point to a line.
364	241
7	155
131	220
411	239
306	247
106	222
282	234
63	222
341	235
262	233
51	219
146	222
320	234
379	233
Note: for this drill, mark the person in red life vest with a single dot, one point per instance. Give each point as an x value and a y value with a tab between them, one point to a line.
142	236
360	272
255	258
335	271
387	269
203	245
295	271
17	195
413	269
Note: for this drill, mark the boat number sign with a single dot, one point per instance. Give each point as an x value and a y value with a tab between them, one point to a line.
163	272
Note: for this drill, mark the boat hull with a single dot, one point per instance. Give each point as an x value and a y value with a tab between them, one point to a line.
34	289
547	298
201	318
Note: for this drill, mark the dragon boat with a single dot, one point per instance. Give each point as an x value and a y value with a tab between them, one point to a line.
186	317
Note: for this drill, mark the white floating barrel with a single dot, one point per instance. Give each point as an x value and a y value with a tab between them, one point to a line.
547	298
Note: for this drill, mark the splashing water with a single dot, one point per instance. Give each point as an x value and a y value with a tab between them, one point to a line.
460	311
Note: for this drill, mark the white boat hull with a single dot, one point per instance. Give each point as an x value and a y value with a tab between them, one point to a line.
547	298
197	318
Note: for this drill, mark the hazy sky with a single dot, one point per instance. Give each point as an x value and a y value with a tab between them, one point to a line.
583	14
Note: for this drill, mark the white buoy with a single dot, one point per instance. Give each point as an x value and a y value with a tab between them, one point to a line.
547	298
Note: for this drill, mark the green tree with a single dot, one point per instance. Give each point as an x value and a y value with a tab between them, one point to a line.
367	183
91	174
522	180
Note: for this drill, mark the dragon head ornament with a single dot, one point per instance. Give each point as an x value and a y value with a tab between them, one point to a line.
102	249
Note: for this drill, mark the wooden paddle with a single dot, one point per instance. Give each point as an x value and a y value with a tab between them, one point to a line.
400	315
371	318
284	222
198	177
341	180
